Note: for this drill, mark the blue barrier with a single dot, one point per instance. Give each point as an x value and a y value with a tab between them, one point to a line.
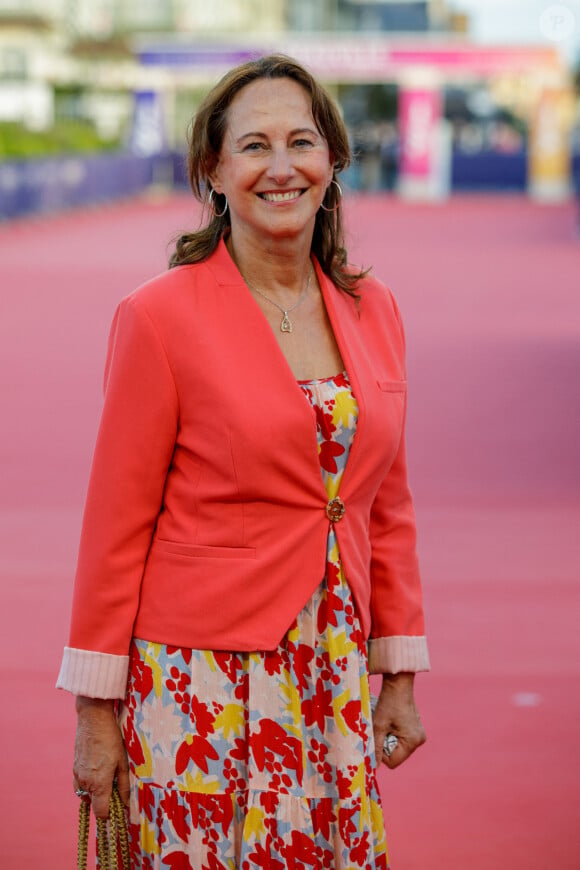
576	173
180	178
51	184
489	170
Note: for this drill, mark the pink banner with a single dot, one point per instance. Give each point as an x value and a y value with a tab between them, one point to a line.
419	113
367	57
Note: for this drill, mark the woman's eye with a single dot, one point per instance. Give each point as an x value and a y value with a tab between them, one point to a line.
302	143
254	146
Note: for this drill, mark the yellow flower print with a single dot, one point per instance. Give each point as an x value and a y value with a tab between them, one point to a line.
231	719
345	408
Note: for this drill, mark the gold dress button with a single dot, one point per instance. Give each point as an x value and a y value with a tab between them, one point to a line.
335	509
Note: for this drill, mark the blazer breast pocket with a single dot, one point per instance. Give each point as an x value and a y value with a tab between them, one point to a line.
392	386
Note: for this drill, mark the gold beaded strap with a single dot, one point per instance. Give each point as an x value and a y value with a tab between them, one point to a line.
112	835
83	841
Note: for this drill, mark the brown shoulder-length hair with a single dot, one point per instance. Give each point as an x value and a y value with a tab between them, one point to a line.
205	138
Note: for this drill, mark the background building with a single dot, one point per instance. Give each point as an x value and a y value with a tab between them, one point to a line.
418	96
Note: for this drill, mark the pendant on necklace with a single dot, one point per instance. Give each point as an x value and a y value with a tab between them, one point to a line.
286	323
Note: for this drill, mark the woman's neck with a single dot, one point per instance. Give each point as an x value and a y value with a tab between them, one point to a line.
274	267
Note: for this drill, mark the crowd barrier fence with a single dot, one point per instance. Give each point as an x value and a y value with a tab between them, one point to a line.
51	184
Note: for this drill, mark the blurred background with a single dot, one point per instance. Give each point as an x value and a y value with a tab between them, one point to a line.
464	119
439	96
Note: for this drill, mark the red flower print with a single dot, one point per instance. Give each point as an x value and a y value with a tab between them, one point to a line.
177	861
240	750
177	683
213	863
323	818
343	784
196	749
241	690
351	713
346	825
300	851
269	800
325	424
328	450
333	580
272	736
320	707
360	851
201	716
261	857
273	662
177	813
223	812
229	663
146	802
194	808
142	675
186	652
133	744
330	606
301	664
134	842
161	835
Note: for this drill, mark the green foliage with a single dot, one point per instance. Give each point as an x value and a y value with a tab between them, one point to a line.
66	137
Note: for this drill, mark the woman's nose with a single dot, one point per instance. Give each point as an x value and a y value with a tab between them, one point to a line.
280	167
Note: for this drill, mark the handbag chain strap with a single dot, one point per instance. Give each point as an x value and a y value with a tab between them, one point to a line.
111	837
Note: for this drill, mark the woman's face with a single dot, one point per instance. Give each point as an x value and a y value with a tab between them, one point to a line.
274	166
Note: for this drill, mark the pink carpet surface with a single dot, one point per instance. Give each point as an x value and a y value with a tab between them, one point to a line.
489	287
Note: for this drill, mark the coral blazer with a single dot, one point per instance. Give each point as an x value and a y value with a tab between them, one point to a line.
206	517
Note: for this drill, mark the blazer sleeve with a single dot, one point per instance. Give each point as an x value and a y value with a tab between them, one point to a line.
397	639
133	452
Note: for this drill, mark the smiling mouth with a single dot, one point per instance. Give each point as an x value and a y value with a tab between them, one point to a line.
282	196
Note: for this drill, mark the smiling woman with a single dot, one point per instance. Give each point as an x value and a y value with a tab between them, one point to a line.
248	546
318	125
273	168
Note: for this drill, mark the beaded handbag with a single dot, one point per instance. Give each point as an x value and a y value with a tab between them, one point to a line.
112	838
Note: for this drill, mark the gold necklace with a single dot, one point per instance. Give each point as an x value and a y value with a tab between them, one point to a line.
285	323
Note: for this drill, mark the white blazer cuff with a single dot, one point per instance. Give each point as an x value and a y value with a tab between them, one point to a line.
393	655
93	674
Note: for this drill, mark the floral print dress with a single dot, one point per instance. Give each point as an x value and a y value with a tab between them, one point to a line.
262	759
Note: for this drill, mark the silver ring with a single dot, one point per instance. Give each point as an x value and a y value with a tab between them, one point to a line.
81	793
390	744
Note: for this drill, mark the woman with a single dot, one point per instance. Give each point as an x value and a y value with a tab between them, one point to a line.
248	526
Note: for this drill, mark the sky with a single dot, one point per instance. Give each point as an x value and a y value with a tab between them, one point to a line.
525	21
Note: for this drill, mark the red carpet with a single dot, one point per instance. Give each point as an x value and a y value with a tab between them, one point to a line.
490	292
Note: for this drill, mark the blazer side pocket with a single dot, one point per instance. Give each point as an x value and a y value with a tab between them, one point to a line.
194	551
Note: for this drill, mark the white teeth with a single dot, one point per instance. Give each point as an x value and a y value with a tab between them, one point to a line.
281	197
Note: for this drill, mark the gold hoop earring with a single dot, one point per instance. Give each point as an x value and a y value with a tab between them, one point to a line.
212	207
337	206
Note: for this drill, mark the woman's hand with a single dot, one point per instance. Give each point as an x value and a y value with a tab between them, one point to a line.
100	754
397	714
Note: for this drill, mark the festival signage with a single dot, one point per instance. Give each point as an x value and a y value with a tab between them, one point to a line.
422	166
549	161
